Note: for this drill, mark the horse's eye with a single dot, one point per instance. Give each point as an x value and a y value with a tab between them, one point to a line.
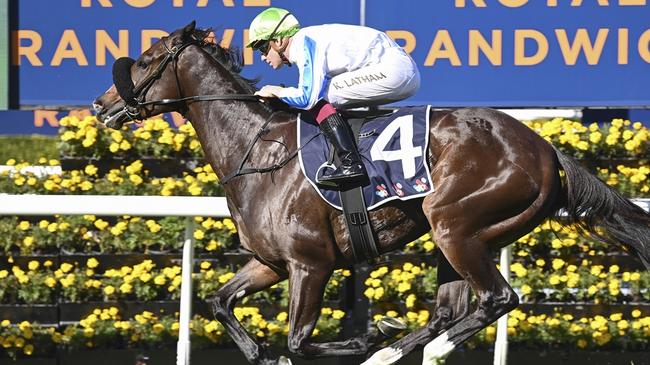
141	64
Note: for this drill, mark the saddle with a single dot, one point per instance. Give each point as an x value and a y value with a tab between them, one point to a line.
393	148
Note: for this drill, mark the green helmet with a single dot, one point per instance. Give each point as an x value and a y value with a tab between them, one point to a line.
272	23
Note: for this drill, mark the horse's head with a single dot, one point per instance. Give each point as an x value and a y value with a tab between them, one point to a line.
138	84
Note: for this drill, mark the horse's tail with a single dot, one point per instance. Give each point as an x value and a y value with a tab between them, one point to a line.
602	211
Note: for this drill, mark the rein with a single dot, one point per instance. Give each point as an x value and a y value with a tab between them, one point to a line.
213	97
134	98
252	170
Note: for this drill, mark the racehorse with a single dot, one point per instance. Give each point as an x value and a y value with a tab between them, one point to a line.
494	179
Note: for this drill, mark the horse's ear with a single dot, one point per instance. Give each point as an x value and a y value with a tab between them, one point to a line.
188	30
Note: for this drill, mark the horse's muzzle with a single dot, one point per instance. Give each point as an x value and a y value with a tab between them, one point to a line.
113	118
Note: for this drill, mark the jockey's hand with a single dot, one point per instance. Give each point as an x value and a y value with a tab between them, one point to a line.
269	91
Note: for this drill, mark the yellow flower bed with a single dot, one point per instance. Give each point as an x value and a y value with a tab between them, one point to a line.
88	233
131	179
44	283
620	138
631	331
153	137
106	327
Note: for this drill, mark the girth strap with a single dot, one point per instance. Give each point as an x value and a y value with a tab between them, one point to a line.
362	236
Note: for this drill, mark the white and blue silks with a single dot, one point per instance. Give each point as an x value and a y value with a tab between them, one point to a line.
348	66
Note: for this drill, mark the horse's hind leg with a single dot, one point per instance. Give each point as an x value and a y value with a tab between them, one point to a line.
452	305
251	278
506	207
452	300
470	217
472	259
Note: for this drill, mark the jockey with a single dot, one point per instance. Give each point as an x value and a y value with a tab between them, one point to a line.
340	66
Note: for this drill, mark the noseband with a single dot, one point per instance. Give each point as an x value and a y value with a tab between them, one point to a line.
134	96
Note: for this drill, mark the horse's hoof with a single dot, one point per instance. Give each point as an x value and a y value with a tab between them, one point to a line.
283	360
390	326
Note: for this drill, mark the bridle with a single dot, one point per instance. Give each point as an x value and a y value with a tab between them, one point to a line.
135	103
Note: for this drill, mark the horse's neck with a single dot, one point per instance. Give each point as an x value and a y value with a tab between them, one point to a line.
224	128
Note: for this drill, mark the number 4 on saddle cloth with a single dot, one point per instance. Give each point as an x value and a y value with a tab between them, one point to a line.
392	147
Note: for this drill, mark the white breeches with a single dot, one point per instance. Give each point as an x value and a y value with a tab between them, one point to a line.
395	78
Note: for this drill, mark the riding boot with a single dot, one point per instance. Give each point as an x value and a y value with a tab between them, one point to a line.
351	170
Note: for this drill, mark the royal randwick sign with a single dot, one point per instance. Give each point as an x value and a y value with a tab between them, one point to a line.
470	52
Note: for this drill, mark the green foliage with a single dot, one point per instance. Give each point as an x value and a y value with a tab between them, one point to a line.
28	148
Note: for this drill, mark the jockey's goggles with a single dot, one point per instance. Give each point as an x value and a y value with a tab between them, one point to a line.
263	47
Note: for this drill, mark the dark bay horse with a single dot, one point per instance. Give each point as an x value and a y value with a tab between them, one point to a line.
494	180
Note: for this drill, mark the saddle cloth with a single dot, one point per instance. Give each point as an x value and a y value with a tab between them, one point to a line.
393	149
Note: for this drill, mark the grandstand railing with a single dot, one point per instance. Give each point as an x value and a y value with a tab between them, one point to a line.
113	205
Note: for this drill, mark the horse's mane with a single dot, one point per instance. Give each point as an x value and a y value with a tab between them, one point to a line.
230	58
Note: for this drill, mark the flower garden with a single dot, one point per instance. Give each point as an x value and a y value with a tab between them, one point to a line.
88	283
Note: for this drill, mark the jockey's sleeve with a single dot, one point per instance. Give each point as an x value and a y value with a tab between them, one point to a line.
312	85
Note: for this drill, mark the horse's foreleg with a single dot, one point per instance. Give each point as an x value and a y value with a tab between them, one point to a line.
307	285
251	278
